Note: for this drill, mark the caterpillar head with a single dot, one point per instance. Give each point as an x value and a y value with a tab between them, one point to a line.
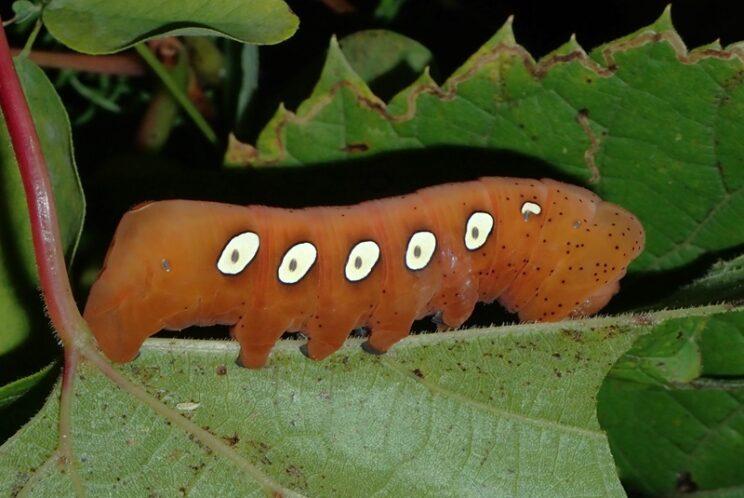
585	248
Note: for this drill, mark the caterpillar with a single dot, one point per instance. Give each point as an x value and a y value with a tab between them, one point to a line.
545	250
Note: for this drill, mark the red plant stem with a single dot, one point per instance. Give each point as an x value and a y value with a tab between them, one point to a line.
119	64
50	260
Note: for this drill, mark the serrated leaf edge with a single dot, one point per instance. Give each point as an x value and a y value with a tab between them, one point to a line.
271	149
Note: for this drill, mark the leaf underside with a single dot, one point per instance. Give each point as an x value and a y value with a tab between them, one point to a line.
503	411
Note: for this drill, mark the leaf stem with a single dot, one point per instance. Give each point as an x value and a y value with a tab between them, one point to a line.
53	277
31	39
65	420
180	97
118	64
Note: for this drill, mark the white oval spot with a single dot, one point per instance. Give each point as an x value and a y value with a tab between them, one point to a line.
296	262
530	208
362	259
238	252
421	247
477	230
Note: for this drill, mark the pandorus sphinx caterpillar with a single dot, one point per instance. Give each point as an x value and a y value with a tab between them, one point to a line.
544	249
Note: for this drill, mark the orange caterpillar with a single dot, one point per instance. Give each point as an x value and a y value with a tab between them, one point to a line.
546	250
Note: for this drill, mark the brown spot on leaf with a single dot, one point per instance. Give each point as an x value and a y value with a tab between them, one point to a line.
232	440
357	147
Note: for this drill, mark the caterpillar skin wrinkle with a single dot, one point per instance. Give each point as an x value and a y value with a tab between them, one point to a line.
545	250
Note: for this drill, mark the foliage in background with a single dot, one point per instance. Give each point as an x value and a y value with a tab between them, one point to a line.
507	410
639	120
93	27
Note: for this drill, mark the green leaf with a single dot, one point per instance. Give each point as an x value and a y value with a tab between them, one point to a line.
249	65
678	426
721	349
671	428
385	60
723	282
20	306
96	27
478	412
642	121
25	11
659	434
13	391
671	354
387	10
